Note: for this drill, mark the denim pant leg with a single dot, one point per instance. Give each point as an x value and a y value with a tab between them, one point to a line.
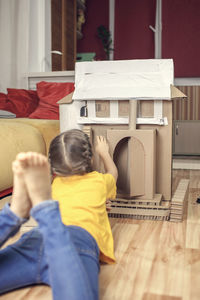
73	270
22	262
66	257
88	251
9	224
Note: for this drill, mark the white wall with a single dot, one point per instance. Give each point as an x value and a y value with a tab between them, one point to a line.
40	36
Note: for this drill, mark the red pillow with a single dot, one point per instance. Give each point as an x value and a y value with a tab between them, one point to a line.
49	94
3	98
21	102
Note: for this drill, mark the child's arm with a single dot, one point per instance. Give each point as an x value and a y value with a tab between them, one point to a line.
102	149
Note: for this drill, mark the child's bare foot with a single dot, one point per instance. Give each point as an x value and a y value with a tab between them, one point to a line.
20	203
36	171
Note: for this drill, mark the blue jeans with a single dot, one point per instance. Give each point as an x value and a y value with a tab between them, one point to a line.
64	257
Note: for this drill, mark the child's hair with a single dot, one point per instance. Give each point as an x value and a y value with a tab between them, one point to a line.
70	153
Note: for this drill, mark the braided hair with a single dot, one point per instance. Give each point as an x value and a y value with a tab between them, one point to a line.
70	153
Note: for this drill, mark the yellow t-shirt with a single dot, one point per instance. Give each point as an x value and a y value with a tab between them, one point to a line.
82	202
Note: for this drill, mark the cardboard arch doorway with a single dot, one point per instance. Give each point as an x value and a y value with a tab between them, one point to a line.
141	152
125	169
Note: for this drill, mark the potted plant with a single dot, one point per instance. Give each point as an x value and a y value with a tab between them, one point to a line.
105	36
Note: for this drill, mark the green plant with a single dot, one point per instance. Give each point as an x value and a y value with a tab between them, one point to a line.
105	36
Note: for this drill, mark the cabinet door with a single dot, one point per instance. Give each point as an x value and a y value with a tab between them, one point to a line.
186	137
63	28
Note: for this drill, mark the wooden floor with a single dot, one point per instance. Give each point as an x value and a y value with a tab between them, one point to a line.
156	260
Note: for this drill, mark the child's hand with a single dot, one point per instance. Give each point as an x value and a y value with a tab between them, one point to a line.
108	205
102	149
102	146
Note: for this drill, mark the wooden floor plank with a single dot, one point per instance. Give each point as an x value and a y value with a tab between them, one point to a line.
193	220
30	293
148	296
168	264
191	287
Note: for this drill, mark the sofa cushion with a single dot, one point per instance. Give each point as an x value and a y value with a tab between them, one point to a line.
16	137
3	99
49	94
21	102
48	128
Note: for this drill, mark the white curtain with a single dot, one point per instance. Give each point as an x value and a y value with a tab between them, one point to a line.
14	32
24	30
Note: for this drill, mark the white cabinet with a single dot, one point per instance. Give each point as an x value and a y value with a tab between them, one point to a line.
186	138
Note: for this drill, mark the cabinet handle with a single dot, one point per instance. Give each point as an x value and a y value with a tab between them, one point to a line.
176	129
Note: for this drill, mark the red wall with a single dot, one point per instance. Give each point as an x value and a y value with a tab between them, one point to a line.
181	36
97	13
135	40
133	37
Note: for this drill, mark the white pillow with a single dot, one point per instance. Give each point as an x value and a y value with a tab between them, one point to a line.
6	114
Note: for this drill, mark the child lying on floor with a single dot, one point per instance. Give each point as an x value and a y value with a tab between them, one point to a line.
73	232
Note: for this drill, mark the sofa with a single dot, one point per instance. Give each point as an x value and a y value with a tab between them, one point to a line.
21	135
29	120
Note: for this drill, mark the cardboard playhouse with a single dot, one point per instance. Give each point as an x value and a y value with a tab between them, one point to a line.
130	103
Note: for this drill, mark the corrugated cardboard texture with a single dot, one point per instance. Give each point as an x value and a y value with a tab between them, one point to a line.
102	108
163	150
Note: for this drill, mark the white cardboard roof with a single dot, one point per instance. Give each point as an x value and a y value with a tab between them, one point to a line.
124	79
